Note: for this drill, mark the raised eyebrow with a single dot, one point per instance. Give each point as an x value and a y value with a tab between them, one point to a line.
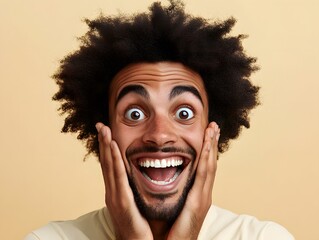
178	90
138	89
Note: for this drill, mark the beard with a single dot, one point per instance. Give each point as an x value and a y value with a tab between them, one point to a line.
160	211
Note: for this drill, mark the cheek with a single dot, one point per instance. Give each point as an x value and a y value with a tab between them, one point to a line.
124	136
118	134
194	137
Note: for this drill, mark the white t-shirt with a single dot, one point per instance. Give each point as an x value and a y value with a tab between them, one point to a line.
219	224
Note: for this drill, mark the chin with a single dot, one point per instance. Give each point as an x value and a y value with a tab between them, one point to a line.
161	206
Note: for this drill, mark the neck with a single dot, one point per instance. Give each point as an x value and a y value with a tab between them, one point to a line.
159	229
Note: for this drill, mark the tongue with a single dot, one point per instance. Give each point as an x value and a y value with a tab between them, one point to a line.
160	174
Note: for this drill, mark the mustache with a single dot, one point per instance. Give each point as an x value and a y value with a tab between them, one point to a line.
151	149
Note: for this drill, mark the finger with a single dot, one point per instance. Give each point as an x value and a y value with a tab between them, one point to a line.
212	160
119	170
206	170
201	172
104	136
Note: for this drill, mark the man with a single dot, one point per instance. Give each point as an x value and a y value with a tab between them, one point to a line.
156	96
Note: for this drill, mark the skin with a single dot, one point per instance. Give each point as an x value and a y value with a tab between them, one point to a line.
147	103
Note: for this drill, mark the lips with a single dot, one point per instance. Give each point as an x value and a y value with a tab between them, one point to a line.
161	171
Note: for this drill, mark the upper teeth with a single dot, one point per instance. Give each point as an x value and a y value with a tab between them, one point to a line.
163	163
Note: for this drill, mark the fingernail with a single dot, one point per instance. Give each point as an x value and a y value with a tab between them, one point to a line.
216	128
103	132
97	127
211	133
217	137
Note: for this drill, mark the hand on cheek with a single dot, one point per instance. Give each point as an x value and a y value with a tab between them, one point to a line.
127	220
199	199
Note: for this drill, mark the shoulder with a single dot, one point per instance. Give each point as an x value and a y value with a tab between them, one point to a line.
94	225
222	224
50	231
276	231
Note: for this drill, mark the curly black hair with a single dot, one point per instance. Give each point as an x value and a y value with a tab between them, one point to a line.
163	34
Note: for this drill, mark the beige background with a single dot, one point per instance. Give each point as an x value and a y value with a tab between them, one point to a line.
271	172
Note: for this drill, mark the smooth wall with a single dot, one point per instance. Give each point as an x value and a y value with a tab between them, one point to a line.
271	171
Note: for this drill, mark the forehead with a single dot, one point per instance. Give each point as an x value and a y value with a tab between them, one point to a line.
156	75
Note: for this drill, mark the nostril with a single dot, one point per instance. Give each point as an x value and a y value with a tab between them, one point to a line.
160	139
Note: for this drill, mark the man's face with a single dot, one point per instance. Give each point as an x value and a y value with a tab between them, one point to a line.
158	115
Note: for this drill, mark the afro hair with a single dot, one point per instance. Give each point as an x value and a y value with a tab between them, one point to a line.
162	34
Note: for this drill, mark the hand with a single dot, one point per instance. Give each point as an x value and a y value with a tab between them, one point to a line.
199	199
127	220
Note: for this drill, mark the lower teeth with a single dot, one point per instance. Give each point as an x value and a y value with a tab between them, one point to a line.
162	182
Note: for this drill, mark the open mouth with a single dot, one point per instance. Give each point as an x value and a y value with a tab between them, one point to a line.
161	171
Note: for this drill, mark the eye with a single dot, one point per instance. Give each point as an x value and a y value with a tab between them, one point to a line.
134	114
184	113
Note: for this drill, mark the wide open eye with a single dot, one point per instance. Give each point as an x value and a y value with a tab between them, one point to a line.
134	114
184	113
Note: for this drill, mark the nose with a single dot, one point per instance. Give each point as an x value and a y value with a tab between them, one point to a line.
160	131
